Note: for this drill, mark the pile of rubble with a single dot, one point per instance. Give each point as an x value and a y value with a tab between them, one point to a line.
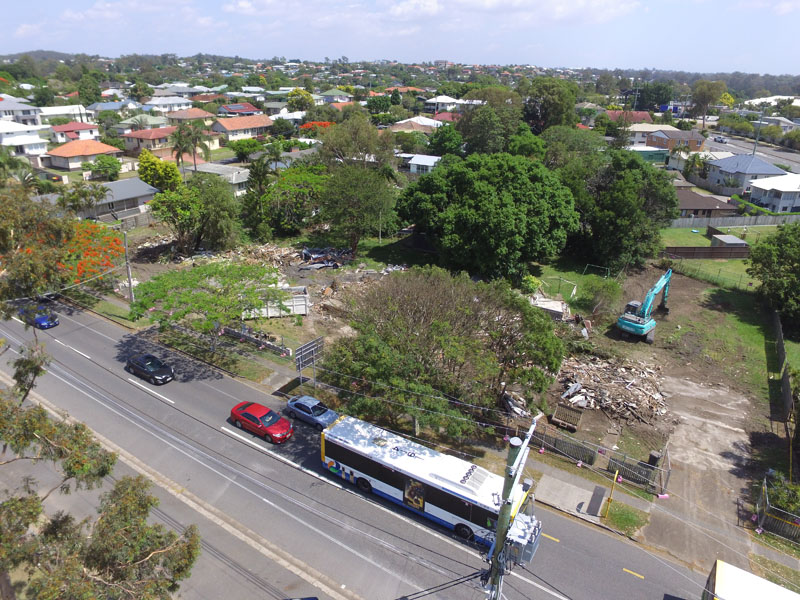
275	256
623	392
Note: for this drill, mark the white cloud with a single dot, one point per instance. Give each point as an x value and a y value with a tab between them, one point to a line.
778	7
415	9
27	30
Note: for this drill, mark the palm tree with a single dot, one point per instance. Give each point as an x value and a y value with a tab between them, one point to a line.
197	138
138	123
9	163
181	144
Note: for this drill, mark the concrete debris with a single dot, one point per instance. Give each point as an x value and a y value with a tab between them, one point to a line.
321	258
515	404
623	392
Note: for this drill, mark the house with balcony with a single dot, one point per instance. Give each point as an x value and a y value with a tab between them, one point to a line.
236	177
147	139
241	128
19	111
778	194
71	155
639	132
73	112
734	175
61	134
21	140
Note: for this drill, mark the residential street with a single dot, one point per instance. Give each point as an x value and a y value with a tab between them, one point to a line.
273	523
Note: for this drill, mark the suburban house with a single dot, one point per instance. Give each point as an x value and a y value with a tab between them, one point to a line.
141	122
422	124
785	124
17	110
336	95
124	198
61	134
629	116
273	108
150	139
639	132
423	163
441	104
678	160
209	97
673	138
21	139
190	114
241	109
235	176
71	155
404	90
95	109
692	204
738	171
778	194
447	117
241	128
166	104
74	112
656	156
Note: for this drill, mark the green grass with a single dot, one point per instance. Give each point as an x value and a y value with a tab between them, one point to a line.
220	153
115	312
725	272
562	275
776	572
624	518
244	368
683	236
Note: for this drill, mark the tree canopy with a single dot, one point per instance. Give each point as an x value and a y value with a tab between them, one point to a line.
491	214
774	262
161	174
356	142
440	348
445	140
550	102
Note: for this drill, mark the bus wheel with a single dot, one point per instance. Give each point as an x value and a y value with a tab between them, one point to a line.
464	532
364	485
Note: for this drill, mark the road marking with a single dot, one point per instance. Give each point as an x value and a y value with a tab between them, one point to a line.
73	349
537	585
231	396
18	321
550	537
283	459
147	389
633	573
83	326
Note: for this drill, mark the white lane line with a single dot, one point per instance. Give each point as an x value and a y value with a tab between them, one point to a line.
148	390
73	349
18	320
537	585
232	397
283	459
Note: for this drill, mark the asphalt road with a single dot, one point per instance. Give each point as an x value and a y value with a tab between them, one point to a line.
767	153
274	524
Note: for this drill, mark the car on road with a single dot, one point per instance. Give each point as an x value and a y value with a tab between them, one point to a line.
150	368
312	411
38	316
720	139
262	421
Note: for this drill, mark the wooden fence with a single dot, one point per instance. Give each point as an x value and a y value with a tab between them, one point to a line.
707	251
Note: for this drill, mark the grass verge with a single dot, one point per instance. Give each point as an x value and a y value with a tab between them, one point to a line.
684	236
624	518
776	572
224	360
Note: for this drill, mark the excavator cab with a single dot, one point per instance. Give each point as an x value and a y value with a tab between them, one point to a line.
632	307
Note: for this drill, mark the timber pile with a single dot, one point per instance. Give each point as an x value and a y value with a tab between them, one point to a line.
623	392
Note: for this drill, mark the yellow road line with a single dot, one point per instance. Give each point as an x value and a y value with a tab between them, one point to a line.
634	574
550	537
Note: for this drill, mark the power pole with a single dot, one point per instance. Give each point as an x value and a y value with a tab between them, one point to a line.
758	131
499	553
128	266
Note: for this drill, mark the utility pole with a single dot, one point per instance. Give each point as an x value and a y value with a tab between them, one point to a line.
499	558
758	131
128	266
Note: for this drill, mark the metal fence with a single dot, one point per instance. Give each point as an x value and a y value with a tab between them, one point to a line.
717	276
775	520
651	477
699	222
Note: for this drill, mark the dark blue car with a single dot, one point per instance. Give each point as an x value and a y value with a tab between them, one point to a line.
40	317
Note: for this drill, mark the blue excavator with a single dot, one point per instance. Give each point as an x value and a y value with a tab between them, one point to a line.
637	320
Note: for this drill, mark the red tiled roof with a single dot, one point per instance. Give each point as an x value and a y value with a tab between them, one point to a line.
239	107
631	116
446	116
83	148
404	90
190	113
375	94
340	105
71	135
582	126
73	126
251	122
150	134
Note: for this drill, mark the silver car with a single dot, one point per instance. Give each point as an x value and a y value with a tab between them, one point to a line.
312	411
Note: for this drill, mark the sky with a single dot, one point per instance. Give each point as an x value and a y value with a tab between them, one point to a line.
754	36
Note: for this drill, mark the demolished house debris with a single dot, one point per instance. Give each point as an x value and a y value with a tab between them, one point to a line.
623	392
321	258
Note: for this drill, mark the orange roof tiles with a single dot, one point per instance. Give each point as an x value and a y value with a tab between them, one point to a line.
83	148
236	123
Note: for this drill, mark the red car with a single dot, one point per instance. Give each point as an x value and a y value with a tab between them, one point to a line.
261	421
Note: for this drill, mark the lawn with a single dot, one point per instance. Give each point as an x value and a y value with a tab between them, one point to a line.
220	153
776	572
684	236
725	272
624	518
566	276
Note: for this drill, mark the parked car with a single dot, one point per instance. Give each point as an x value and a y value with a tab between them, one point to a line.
262	421
150	368
39	316
721	139
311	410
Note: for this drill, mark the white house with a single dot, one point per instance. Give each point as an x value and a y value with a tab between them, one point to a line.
14	109
241	128
441	104
22	139
167	104
73	112
778	194
61	134
423	163
235	176
71	155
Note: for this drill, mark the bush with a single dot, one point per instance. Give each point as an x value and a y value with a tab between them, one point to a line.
530	284
597	292
785	495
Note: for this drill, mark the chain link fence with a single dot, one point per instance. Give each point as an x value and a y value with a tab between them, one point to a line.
775	520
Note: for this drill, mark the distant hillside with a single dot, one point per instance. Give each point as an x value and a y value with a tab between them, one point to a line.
39	55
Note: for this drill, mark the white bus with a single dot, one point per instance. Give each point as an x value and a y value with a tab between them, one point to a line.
727	582
452	492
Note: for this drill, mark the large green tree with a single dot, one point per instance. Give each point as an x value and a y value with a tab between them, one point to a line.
565	143
491	214
161	174
299	100
89	90
550	102
438	348
623	203
356	201
446	140
202	213
775	262
482	131
357	142
705	93
244	148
